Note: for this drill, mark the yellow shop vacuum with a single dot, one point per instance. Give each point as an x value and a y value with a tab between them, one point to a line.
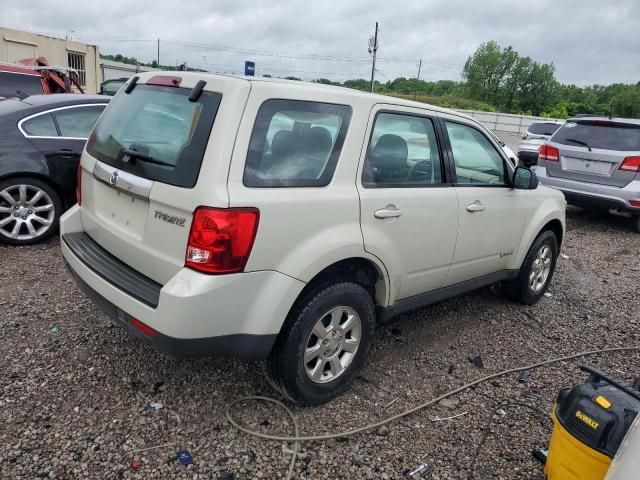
590	422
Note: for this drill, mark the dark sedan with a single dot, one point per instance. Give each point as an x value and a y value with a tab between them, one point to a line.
41	140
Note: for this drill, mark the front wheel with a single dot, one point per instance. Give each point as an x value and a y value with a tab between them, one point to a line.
536	271
323	344
29	210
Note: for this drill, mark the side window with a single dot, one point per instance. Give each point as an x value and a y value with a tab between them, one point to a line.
475	158
403	151
41	126
295	144
77	122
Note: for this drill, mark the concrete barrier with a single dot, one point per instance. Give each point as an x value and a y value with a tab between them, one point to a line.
504	122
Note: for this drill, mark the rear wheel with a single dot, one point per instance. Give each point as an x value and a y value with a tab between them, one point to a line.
29	210
323	344
536	271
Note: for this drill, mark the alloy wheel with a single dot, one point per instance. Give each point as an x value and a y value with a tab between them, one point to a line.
540	269
26	212
332	344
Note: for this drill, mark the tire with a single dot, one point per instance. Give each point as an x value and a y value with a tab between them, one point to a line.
521	289
324	307
24	221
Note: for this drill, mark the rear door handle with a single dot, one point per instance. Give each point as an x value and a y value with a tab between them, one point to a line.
476	206
389	211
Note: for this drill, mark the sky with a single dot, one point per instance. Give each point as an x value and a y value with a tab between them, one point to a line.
588	41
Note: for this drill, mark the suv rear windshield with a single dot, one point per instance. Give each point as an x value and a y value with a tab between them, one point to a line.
604	134
543	128
156	132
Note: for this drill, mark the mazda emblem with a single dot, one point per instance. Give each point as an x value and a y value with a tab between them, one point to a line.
114	177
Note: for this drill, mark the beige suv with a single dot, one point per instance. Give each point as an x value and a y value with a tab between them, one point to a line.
282	221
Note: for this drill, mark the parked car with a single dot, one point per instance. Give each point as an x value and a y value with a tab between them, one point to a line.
281	221
111	87
513	158
537	133
595	162
33	76
40	146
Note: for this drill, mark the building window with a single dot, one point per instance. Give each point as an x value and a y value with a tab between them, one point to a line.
76	61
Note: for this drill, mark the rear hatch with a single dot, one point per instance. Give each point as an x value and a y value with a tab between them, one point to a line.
141	168
593	151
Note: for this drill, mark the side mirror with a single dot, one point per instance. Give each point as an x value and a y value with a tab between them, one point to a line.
524	179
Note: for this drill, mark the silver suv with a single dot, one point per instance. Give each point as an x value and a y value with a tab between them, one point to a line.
595	162
281	221
537	133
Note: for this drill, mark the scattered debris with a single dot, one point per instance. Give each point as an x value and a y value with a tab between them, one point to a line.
424	468
450	403
265	423
136	464
383	431
76	409
566	257
523	377
548	294
477	361
530	315
44	246
529	394
184	457
55	330
225	476
156	405
452	368
501	412
438	419
392	402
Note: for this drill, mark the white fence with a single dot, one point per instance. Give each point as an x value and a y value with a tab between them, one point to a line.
111	69
504	122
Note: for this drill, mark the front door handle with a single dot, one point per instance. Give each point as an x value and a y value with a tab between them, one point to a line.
389	211
476	206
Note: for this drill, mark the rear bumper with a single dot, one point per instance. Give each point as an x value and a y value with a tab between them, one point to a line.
592	195
235	315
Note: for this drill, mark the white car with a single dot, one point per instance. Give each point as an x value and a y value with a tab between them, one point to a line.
537	134
282	221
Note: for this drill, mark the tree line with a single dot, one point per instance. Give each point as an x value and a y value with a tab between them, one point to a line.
499	79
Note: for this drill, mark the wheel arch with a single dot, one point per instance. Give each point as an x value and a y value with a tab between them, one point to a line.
367	272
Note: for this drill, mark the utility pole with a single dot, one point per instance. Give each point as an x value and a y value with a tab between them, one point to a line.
158	58
373	48
415	95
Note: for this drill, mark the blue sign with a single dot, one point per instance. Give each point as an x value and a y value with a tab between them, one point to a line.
249	68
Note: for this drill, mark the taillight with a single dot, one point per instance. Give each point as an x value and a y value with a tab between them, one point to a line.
548	153
220	240
634	203
79	184
631	164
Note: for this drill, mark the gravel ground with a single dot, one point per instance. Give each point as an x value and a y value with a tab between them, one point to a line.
75	391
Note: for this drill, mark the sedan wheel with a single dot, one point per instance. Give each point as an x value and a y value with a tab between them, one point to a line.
28	211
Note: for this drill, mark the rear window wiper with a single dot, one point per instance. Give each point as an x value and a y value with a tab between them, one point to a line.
136	155
579	142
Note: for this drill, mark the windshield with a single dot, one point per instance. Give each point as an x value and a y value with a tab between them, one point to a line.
161	124
12	83
603	134
543	128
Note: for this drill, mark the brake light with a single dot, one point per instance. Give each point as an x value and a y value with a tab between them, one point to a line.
165	81
631	164
634	203
220	240
79	184
548	153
